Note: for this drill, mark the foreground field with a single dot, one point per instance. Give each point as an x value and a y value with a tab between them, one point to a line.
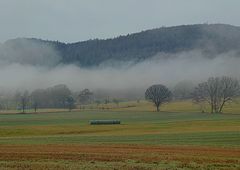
144	140
117	157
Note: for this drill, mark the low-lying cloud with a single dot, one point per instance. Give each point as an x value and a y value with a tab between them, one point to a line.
123	81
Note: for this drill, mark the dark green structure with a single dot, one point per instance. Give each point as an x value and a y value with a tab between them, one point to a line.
104	122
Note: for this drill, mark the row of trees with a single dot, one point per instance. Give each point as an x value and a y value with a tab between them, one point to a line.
53	97
59	96
216	92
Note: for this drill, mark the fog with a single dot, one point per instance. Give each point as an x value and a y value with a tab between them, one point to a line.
28	52
125	81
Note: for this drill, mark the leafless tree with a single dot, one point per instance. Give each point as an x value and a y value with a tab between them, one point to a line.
230	90
216	91
158	94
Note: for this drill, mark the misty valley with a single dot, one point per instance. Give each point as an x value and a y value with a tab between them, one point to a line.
164	98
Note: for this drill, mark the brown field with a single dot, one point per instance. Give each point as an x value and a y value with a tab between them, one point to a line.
39	157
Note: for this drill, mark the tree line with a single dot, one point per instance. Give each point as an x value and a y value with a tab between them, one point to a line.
59	96
213	93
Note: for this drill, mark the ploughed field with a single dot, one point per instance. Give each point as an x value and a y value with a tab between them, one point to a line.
143	140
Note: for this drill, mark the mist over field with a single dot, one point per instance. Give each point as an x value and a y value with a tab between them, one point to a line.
119	84
118	79
125	66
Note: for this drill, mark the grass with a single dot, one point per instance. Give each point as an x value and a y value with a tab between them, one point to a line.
220	139
179	124
174	106
136	128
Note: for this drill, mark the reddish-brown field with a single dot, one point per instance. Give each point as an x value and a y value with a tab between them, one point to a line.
117	156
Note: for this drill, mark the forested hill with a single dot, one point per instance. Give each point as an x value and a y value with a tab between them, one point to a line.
212	39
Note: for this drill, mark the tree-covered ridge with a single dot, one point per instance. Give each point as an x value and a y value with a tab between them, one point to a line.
211	39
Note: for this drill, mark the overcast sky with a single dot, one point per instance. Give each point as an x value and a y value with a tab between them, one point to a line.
77	20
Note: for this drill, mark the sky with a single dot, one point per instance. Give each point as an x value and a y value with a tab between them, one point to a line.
78	20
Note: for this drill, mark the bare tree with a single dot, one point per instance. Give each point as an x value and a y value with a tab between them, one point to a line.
230	88
158	94
216	91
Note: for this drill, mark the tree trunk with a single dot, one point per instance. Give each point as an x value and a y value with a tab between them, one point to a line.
211	107
220	110
158	108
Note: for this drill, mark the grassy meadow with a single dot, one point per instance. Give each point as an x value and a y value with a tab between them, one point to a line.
178	137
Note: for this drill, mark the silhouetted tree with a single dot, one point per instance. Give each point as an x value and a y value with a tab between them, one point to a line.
216	91
158	94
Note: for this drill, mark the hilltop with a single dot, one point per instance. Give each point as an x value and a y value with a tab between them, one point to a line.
211	39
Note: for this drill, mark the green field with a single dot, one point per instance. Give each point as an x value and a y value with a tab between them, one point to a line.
138	128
